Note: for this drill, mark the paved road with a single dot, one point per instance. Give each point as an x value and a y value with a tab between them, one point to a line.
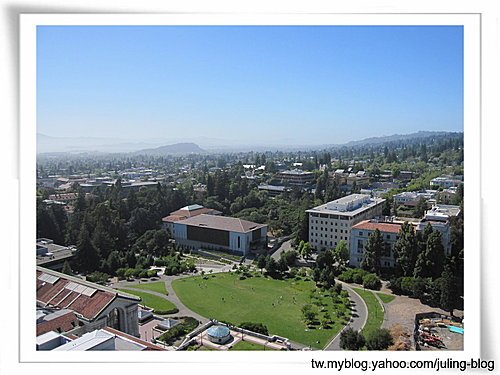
360	315
285	246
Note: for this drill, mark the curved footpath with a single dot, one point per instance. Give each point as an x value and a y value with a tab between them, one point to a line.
172	296
358	322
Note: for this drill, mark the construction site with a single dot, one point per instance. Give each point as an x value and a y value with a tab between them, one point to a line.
434	331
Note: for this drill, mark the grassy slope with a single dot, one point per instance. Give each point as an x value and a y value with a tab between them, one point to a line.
158	287
260	300
150	300
386	298
375	312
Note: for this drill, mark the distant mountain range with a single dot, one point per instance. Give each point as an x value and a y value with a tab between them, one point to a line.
175	149
156	147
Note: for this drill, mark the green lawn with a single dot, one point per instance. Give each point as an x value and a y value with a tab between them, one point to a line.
375	312
158	304
158	287
245	345
275	303
386	298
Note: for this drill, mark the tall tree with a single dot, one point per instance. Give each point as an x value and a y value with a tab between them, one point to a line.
430	262
86	255
406	250
449	292
373	252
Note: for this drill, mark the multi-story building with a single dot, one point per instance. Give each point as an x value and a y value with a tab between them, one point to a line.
332	221
359	238
295	177
219	233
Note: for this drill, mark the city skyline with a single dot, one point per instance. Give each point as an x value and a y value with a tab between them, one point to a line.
249	82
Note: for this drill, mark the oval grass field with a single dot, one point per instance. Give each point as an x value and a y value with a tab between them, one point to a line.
275	303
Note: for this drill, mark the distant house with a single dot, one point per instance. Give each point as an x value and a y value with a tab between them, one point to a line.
346	177
94	305
447	181
219	232
273	190
295	177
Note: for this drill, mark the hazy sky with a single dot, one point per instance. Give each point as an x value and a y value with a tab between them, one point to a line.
273	85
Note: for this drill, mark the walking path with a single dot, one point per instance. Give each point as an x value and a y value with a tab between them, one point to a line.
172	296
359	317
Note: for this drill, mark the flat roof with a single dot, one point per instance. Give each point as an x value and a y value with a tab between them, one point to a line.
370	202
382	227
226	223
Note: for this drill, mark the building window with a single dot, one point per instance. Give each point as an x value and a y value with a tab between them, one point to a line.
360	233
239	242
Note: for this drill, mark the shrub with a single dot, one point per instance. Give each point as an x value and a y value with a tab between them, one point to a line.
379	339
166	312
255	327
351	339
98	277
371	281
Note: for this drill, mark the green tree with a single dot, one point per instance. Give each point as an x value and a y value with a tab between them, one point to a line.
351	339
86	255
261	262
373	252
341	255
308	314
405	250
379	339
449	291
430	262
66	268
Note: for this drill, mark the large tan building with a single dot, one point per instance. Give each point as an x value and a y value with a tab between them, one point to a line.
332	222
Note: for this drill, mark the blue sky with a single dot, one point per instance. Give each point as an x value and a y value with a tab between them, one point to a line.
264	85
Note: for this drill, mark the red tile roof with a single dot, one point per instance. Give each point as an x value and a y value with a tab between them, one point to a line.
56	295
383	227
62	323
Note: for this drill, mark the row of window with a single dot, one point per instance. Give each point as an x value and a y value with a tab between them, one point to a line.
326	230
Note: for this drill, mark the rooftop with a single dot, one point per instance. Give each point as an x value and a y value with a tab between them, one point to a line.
348	206
55	289
218	331
223	223
382	227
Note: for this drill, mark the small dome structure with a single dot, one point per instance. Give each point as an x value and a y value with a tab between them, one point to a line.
218	334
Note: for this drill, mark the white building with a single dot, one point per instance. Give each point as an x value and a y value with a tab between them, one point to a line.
332	221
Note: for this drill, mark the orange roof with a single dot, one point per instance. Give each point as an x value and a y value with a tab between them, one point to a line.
383	227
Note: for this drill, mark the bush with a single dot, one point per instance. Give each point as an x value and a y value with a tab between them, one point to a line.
379	339
371	281
255	327
353	275
351	339
98	277
166	312
179	330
